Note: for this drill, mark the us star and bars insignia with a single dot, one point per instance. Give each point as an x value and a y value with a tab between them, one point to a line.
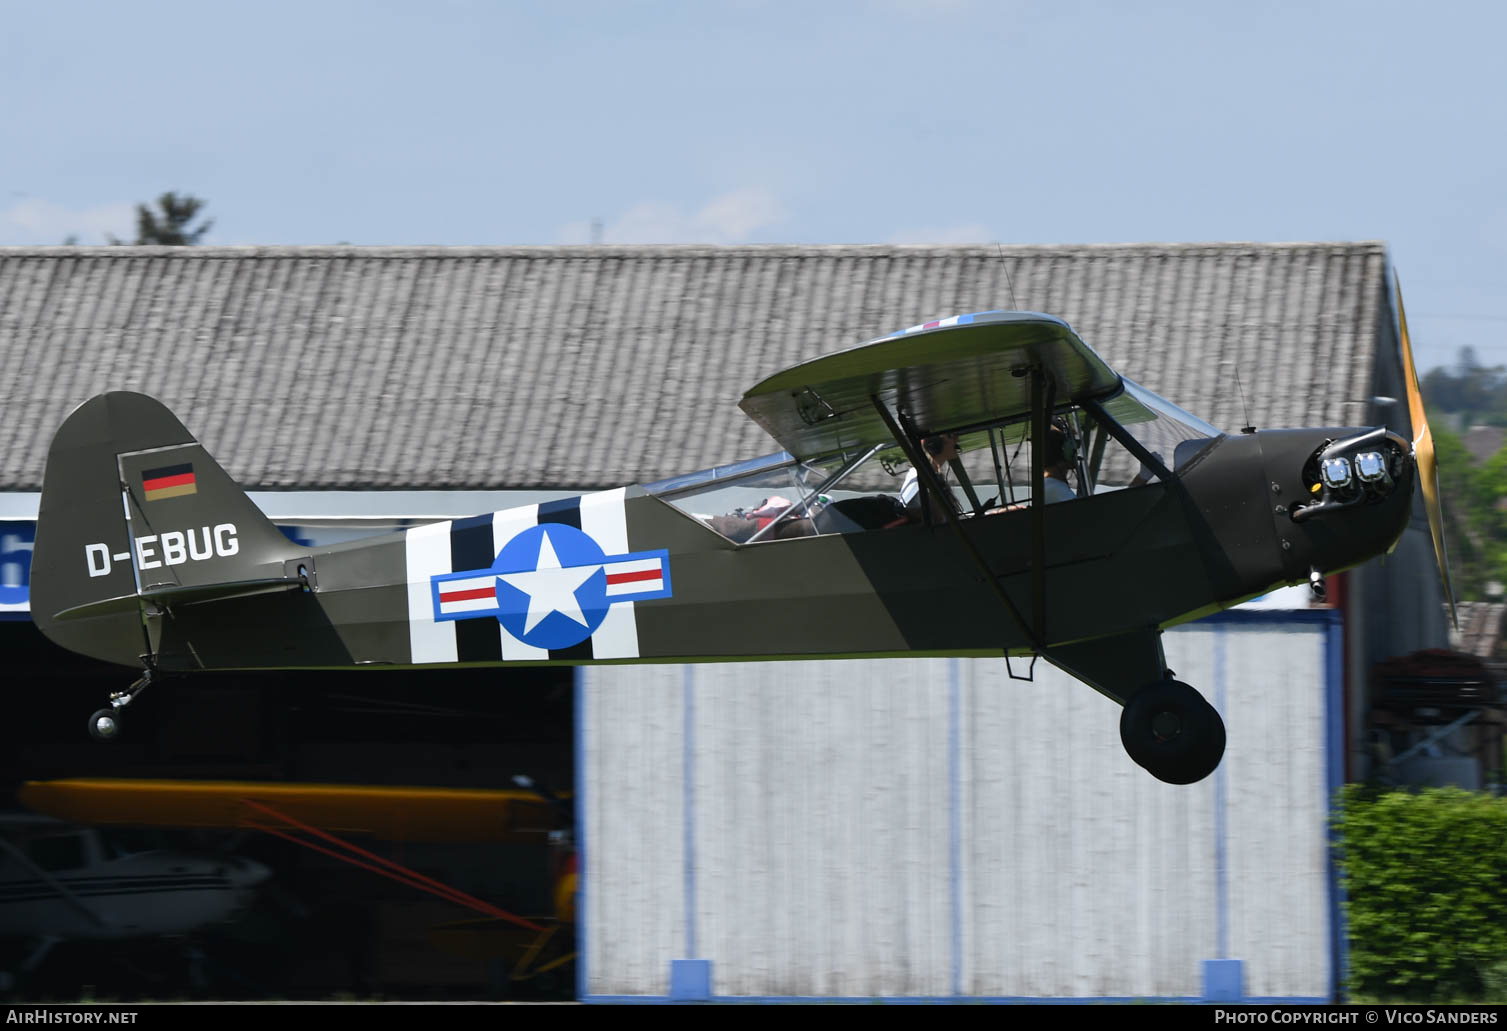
551	586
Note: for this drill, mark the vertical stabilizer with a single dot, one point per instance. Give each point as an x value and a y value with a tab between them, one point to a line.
131	503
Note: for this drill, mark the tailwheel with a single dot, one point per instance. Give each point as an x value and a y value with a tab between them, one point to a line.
1170	730
104	725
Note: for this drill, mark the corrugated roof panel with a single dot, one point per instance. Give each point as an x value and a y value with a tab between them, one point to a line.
590	366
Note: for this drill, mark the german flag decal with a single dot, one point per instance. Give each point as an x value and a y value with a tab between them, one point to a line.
173	481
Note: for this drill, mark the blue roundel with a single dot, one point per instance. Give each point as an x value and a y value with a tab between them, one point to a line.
551	587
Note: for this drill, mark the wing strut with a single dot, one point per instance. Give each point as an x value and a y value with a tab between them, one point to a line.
967	485
1006	497
1043	391
804	504
928	476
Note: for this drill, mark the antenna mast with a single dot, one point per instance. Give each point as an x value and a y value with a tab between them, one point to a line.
1000	247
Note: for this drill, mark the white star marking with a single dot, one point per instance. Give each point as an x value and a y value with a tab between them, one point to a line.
549	587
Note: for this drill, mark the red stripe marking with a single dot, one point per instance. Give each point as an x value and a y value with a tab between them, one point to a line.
163	482
471	595
628	578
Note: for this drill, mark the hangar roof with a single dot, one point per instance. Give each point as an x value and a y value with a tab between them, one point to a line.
579	367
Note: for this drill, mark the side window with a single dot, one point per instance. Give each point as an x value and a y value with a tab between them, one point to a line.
119	843
999	468
987	470
58	852
868	497
767	502
998	464
772	500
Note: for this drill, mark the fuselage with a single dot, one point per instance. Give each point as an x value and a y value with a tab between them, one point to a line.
68	886
623	575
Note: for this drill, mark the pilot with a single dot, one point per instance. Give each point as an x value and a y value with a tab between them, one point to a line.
941	449
1054	467
1057	459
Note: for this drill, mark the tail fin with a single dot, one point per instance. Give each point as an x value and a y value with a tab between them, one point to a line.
132	506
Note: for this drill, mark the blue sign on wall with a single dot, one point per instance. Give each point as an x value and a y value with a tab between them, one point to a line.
16	543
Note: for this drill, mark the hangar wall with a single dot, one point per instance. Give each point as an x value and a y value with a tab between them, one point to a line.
931	828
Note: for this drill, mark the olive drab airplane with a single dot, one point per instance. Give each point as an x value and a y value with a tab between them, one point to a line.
148	555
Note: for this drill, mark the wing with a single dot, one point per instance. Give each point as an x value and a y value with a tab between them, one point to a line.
949	374
389	813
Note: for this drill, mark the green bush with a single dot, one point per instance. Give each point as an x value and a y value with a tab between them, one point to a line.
1425	879
1494	981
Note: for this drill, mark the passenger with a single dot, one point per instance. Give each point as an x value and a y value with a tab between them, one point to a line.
740	526
940	449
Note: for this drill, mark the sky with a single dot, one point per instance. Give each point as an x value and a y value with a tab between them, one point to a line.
765	121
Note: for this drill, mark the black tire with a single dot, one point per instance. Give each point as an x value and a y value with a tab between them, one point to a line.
1172	732
104	725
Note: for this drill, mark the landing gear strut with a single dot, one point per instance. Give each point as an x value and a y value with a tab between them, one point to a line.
1170	730
104	724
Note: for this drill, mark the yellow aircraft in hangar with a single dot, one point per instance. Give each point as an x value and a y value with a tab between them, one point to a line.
69	878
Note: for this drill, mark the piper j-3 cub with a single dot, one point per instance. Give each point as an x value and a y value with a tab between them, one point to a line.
147	554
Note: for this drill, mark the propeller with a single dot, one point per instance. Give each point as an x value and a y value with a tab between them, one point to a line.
1423	454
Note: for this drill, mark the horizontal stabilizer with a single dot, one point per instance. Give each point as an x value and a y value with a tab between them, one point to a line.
179	595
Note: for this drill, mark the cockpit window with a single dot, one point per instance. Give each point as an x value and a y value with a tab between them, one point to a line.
118	843
778	497
770	498
57	852
723	473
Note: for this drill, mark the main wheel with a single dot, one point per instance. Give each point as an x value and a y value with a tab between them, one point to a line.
1170	730
104	725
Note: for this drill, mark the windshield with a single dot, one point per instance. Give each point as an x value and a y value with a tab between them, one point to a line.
1176	437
